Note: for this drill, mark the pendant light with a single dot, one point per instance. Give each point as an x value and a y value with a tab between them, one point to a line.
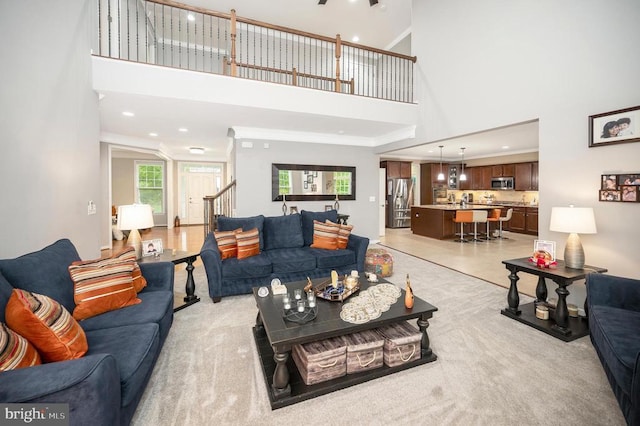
441	175
463	177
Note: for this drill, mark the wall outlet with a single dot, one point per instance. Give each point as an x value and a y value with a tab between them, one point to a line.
91	208
372	199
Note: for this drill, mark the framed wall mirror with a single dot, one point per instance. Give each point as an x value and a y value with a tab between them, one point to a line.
304	182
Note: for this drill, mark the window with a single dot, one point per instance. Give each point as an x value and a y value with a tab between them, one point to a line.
150	185
343	182
284	182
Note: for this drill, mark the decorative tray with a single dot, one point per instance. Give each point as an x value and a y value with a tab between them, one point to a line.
334	293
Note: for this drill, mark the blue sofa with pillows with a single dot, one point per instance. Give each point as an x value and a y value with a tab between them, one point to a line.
613	305
285	253
103	386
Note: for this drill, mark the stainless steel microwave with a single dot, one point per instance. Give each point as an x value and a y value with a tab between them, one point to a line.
502	183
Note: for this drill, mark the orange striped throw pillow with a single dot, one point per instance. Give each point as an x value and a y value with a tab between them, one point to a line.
325	235
16	351
47	325
227	243
248	243
102	286
128	254
343	236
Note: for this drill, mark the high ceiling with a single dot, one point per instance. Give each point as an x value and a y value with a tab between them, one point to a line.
380	26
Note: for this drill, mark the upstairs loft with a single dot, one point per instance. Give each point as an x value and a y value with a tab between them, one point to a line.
288	85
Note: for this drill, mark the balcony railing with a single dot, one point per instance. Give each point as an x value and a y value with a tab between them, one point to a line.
166	33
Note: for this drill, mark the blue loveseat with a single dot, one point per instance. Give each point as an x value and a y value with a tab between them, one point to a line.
284	254
105	385
613	304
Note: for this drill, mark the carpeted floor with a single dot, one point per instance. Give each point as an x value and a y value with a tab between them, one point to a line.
491	370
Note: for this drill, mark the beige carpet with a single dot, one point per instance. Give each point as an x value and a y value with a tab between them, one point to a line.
491	370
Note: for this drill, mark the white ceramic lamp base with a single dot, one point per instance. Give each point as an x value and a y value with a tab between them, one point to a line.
135	241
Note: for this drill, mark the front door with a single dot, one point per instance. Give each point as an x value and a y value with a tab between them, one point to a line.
198	186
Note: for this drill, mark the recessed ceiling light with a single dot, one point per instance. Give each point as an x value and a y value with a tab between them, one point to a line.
341	132
196	150
190	17
128	113
505	146
183	129
153	134
355	39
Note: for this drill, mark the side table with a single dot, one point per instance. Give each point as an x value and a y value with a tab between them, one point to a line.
176	257
561	325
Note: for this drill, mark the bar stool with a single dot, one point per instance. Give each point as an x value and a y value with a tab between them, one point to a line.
506	218
493	217
479	216
463	217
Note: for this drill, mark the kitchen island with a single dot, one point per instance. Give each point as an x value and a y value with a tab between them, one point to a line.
436	220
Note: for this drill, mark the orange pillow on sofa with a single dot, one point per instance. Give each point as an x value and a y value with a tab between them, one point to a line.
128	254
343	236
325	235
16	351
227	243
248	243
47	325
102	286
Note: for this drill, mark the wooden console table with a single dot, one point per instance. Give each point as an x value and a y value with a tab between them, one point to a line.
561	325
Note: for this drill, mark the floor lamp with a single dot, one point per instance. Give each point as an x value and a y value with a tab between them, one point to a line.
573	220
133	217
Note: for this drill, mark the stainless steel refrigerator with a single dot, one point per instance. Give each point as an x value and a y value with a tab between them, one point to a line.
399	200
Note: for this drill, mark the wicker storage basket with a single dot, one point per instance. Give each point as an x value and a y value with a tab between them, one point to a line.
322	360
364	351
401	343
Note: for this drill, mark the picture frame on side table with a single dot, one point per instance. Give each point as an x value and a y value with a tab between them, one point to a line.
152	247
610	195
546	246
614	127
630	193
328	207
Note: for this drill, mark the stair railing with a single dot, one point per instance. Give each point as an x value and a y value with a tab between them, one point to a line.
220	204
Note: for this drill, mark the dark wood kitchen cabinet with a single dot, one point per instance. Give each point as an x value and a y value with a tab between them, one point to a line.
500	170
526	175
397	169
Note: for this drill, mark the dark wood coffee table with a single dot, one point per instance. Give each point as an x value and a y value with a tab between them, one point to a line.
275	336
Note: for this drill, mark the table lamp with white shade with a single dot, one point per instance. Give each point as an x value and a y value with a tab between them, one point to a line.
573	220
133	217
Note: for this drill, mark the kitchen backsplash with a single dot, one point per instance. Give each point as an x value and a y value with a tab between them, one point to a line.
525	197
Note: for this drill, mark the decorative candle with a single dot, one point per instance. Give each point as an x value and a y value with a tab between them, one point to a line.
311	299
300	305
297	294
286	301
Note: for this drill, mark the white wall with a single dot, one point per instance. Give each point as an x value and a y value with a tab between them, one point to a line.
49	126
253	174
492	63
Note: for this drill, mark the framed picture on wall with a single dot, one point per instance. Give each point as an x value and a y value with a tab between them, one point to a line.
629	179
608	128
630	193
610	195
609	182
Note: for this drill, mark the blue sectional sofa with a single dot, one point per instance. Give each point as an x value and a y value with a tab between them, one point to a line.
613	304
284	254
105	385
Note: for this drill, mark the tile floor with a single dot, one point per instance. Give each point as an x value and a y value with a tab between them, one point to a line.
481	260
